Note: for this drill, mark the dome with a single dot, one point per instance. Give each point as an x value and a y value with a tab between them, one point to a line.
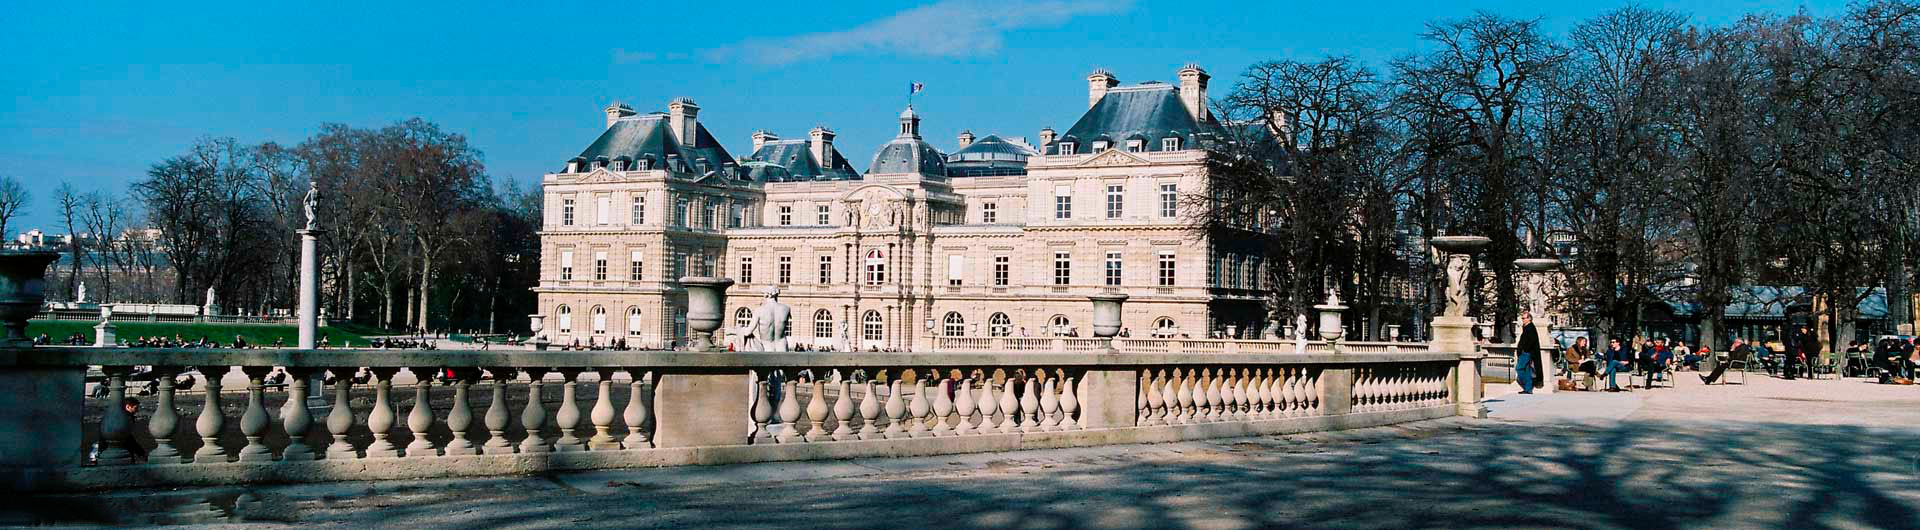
908	155
909	113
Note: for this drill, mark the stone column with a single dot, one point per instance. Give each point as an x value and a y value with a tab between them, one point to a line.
309	288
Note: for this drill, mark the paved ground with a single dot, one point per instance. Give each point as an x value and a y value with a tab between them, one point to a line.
1771	453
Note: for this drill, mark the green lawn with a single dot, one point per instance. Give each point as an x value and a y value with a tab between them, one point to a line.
260	334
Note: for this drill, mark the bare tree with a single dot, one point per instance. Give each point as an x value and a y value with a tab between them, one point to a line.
13	201
68	201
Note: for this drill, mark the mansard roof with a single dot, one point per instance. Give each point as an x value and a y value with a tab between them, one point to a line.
635	138
796	162
990	156
1150	112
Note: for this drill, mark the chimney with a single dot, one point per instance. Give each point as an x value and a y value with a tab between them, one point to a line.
683	116
1097	85
966	138
1046	137
761	138
820	145
616	111
1193	90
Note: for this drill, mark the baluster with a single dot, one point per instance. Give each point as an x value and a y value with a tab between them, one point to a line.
786	431
568	418
918	409
988	404
533	418
1150	400
1242	408
380	421
1169	396
817	413
1069	404
420	419
896	412
964	406
602	413
1216	401
870	412
637	412
165	420
942	407
1009	407
253	422
340	419
761	412
1296	392
1049	404
1317	392
843	412
1263	393
114	421
1203	406
1182	402
1030	405
497	415
460	419
212	419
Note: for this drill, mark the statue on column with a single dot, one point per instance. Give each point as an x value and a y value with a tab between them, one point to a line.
80	296
1457	286
312	203
767	331
208	309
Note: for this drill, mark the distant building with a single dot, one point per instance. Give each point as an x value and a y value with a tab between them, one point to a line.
997	238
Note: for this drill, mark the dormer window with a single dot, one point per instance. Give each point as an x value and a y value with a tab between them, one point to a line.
1066	148
1100	145
1169	144
1136	146
646	164
620	164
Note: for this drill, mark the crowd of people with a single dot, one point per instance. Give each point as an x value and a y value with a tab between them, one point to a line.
1893	360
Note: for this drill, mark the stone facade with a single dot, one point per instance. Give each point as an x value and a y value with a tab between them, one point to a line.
908	250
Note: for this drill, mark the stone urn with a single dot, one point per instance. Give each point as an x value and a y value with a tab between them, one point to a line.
1331	327
536	324
1106	314
706	306
1537	264
23	291
1459	244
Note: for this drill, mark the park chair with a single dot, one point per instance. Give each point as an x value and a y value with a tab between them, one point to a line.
1830	369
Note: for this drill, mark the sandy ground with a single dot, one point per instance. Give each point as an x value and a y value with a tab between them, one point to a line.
1767	454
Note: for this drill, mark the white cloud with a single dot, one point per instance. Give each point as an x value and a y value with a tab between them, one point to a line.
948	29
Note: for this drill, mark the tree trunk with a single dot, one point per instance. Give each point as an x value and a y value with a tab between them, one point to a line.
386	307
426	282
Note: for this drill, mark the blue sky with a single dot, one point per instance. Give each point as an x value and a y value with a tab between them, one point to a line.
95	92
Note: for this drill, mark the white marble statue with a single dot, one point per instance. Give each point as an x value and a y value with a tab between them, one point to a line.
768	329
1300	333
208	309
1457	287
311	203
80	296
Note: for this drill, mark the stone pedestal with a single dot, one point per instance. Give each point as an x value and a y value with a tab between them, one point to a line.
1109	399
1455	334
309	289
1337	383
103	335
695	408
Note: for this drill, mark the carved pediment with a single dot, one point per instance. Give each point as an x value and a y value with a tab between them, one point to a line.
1113	157
599	176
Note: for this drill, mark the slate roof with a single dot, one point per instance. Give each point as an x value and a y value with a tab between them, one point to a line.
795	162
990	156
636	138
1148	112
1763	302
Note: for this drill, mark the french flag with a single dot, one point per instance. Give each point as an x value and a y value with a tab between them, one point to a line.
915	88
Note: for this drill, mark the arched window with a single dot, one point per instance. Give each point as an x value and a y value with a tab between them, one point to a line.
1058	325
742	317
566	319
633	322
999	325
599	315
954	325
876	267
1163	327
872	327
823	324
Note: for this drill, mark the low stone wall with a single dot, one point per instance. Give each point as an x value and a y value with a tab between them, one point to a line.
643	409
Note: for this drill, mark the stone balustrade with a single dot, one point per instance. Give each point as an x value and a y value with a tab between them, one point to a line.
425	414
1163	345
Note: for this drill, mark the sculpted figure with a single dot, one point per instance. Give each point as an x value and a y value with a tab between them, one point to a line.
1457	287
768	329
311	203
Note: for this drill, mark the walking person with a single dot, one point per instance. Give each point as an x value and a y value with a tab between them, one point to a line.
1526	354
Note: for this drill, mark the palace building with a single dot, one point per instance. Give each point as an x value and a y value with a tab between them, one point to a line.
997	238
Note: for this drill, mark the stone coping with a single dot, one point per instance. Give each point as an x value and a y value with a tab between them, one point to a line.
72	356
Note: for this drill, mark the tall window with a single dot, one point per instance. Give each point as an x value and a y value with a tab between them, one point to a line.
680	208
876	267
1063	206
956	269
599	317
746	269
1213	269
1169	200
600	266
1233	271
710	216
785	272
1059	325
742	317
953	325
1166	269
639	209
989	213
602	209
824	217
1001	272
826	270
736	216
1113	268
823	324
786	215
1253	272
872	327
1116	200
566	212
634	323
634	266
1062	268
999	325
566	319
566	265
